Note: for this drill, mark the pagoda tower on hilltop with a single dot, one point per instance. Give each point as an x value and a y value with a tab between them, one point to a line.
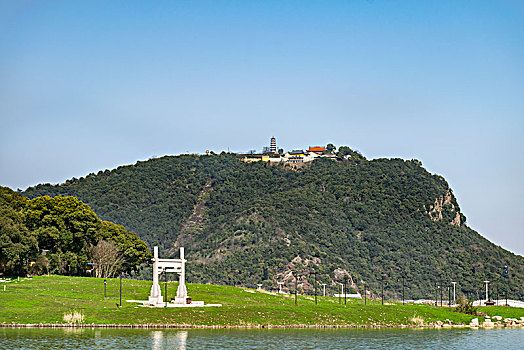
273	145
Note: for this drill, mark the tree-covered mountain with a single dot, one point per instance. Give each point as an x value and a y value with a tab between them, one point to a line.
248	223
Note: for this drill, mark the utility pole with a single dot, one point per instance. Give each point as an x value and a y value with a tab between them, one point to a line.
165	280
440	287
315	273
120	288
487	295
506	275
436	295
403	289
382	289
345	289
316	288
296	287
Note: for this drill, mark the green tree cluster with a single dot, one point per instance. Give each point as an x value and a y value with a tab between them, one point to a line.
54	235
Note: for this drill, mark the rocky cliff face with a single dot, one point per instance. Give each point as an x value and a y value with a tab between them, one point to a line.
444	206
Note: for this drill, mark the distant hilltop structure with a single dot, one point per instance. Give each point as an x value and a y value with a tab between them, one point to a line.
272	155
273	145
317	149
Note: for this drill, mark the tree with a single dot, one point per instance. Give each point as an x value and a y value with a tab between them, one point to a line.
132	249
40	266
17	244
61	228
106	259
343	151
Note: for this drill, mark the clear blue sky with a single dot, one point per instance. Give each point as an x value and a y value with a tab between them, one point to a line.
87	85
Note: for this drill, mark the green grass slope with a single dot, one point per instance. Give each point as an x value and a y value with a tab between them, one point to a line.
46	299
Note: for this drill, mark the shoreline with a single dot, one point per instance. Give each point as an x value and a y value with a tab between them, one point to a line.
186	326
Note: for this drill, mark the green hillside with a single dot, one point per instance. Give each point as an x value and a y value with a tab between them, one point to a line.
248	223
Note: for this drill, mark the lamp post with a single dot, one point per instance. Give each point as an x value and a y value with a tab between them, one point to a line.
165	284
440	287
296	287
120	288
403	289
506	275
382	288
487	295
345	289
315	273
436	294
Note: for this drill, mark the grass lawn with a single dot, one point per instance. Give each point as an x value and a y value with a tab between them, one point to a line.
46	299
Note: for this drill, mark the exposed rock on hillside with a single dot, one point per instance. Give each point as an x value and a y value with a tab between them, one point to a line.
445	204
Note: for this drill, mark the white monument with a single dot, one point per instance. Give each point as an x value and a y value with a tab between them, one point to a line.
168	265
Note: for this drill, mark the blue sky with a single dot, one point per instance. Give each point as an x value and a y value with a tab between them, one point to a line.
91	85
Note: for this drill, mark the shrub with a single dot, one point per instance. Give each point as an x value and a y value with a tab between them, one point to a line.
465	306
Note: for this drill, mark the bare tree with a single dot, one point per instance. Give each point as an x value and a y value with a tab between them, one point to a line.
106	259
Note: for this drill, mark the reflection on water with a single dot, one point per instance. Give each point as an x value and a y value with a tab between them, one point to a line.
158	337
181	338
69	331
172	340
282	339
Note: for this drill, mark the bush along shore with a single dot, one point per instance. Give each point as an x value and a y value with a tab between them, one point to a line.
58	301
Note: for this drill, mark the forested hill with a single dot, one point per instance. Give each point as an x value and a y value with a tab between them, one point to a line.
247	223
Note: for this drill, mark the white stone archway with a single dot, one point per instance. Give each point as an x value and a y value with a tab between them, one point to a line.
168	265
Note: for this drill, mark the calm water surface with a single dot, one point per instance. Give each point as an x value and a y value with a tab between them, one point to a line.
83	339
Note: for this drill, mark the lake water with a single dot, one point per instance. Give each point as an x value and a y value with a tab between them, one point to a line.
84	339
